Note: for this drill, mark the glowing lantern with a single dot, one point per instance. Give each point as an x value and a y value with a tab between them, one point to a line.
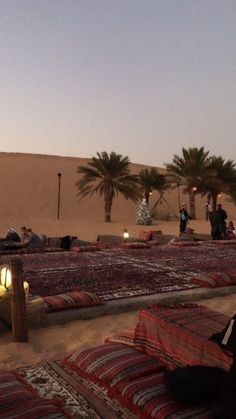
6	277
125	235
26	289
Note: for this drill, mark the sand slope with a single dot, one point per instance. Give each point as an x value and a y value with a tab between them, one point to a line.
30	196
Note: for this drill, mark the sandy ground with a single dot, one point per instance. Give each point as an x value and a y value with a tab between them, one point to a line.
54	342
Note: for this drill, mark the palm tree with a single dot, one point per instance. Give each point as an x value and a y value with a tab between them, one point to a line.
188	171
221	178
108	175
151	180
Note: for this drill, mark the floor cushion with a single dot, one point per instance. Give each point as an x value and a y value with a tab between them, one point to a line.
85	248
123	336
37	409
13	391
183	243
224	242
214	279
147	396
72	299
135	245
182	331
145	235
111	363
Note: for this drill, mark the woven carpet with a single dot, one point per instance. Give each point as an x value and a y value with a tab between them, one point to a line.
122	273
82	398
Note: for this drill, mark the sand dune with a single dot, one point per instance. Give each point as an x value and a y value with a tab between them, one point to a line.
30	196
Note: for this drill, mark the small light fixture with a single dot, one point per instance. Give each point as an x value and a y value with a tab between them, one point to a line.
150	193
219	195
26	289
194	188
125	234
6	277
6	281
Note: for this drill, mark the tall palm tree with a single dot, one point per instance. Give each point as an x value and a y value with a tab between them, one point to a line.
221	178
108	175
151	180
188	171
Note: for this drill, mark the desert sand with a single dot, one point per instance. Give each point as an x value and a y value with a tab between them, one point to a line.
54	342
30	192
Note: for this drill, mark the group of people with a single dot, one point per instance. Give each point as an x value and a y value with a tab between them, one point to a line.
28	237
219	228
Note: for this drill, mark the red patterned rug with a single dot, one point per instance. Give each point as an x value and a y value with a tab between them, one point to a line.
122	273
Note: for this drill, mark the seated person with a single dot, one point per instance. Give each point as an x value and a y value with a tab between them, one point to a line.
33	239
230	231
12	235
24	233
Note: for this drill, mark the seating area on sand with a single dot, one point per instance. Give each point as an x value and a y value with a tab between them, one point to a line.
80	281
124	377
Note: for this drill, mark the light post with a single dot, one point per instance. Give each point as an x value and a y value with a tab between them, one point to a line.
59	195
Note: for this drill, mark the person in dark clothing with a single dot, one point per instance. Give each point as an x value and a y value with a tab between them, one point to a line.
218	223
183	218
12	235
222	212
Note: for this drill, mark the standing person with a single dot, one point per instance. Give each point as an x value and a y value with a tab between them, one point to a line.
218	223
208	209
183	218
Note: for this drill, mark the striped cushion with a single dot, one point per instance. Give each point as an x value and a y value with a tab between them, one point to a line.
224	242
43	409
215	279
184	243
182	331
123	336
145	235
112	363
71	299
12	391
147	396
135	245
85	248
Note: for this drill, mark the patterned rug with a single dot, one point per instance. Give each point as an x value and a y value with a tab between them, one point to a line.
82	398
122	273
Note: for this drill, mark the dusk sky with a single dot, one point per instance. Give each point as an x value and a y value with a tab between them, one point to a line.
139	77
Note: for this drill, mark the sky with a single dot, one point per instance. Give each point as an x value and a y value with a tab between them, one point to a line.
143	78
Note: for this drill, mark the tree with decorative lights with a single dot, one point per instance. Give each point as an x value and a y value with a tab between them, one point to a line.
144	214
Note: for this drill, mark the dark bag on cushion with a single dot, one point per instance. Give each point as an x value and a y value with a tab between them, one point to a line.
195	384
65	242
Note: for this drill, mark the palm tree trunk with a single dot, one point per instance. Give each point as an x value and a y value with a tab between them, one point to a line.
107	206
192	205
146	195
214	201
